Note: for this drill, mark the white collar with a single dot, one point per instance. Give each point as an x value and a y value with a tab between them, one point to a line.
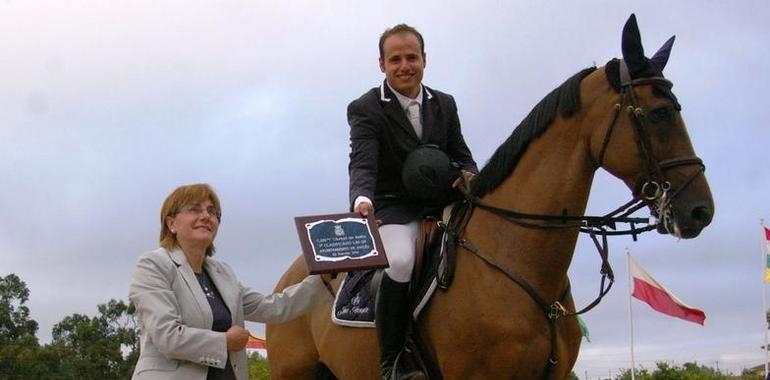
405	100
419	97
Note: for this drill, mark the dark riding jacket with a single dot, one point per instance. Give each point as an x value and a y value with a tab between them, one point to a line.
380	139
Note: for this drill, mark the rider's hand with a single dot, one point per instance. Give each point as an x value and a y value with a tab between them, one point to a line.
466	177
364	208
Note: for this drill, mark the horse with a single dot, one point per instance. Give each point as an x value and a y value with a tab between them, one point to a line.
520	232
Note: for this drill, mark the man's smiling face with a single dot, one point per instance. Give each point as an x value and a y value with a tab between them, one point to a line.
403	63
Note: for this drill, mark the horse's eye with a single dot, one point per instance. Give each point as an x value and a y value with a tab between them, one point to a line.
658	115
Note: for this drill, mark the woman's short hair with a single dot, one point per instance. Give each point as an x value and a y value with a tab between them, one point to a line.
180	197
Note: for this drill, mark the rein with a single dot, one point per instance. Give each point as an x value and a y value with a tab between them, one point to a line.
655	191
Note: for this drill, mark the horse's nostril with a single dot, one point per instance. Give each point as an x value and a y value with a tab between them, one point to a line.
702	215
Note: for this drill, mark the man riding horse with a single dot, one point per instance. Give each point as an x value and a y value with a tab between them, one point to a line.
387	123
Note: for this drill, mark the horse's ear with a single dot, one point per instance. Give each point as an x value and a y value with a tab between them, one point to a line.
661	56
631	44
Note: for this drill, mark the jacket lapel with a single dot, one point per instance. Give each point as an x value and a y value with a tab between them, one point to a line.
429	111
186	272
226	285
394	111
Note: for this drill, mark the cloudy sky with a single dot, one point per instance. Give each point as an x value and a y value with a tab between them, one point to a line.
106	106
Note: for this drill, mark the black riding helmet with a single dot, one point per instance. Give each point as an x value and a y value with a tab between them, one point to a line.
428	175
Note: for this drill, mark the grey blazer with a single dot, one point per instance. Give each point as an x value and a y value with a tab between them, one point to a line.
175	319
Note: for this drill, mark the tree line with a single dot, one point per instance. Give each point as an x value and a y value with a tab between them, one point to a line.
101	347
106	346
687	371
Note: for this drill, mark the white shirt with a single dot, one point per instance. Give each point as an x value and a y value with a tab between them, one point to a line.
412	108
403	99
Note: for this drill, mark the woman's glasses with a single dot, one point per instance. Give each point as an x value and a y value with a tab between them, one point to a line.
198	210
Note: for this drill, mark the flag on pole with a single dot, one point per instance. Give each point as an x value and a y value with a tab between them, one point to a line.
255	343
767	254
647	289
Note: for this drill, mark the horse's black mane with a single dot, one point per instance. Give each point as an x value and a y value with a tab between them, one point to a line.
564	99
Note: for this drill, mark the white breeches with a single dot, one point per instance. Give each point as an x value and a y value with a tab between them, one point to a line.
398	240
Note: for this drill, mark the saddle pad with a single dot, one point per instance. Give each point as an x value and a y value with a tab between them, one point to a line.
354	304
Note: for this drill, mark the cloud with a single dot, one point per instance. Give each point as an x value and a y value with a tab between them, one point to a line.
106	107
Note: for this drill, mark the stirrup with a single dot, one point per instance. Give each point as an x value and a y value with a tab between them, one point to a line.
412	375
408	365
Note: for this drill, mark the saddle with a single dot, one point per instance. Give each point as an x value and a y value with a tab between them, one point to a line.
435	261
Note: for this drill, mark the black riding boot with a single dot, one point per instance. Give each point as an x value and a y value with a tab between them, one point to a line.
392	319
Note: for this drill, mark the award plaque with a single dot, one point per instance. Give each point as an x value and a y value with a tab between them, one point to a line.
340	243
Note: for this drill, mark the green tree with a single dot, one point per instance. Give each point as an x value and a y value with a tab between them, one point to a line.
15	322
688	371
102	347
20	352
640	374
748	374
258	367
665	371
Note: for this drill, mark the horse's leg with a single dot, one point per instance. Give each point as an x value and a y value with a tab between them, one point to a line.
291	352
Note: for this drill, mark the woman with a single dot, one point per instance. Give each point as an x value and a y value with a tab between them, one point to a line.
191	307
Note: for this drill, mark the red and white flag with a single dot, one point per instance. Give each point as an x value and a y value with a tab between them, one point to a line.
647	289
767	254
255	343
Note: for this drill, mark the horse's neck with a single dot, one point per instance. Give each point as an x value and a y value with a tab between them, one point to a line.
553	177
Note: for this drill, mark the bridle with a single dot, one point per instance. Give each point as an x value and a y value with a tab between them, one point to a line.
655	191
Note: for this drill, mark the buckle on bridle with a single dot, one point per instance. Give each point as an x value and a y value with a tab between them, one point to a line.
650	190
556	310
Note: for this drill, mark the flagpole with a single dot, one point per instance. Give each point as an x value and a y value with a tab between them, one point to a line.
631	314
764	288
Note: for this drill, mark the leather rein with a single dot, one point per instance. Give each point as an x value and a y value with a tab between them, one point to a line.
655	191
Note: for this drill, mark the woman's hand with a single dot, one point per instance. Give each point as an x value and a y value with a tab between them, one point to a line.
237	337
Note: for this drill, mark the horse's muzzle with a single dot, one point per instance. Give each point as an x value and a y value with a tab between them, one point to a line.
688	222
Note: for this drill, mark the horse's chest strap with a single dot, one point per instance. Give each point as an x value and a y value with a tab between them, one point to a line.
467	244
551	311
